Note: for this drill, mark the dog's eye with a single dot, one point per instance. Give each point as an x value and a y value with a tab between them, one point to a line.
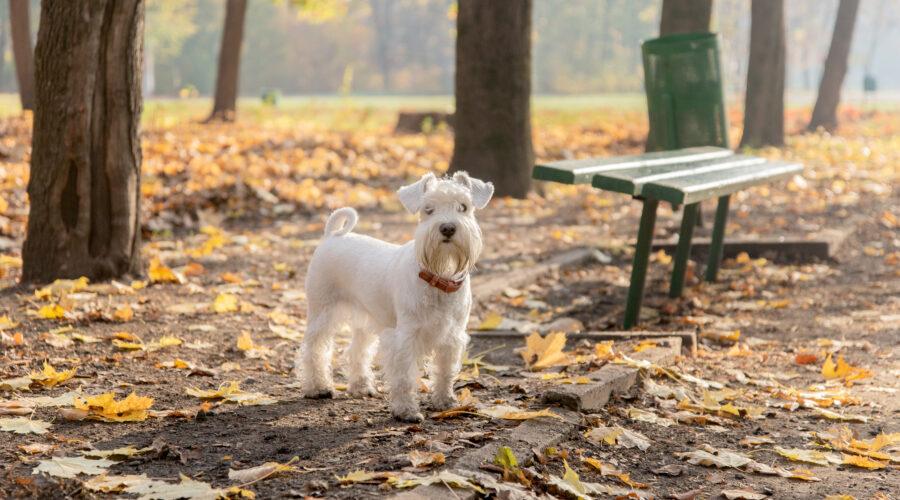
428	210
463	207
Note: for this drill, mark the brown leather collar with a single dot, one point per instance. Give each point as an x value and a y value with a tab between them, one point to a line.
444	285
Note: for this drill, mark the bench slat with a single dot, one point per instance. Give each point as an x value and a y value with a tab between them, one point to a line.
694	188
582	171
631	181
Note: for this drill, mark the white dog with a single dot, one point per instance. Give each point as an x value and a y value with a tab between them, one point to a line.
416	296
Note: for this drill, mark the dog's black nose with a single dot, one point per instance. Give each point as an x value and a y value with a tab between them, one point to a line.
448	229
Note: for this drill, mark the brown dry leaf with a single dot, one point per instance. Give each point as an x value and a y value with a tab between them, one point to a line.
544	352
609	470
71	467
512	413
260	472
425	458
743	495
231	392
617	435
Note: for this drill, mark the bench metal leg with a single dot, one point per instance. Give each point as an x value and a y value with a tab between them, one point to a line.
639	266
718	239
683	251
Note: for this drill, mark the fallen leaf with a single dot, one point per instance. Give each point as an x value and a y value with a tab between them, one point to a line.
808	456
743	495
113	484
187	488
22	425
70	467
491	322
51	311
863	462
260	472
159	273
123	313
49	377
513	413
361	476
132	408
544	352
232	393
620	436
442	478
843	370
225	303
425	458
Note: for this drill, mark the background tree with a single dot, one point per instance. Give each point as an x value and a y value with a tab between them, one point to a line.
20	28
86	155
825	110
684	16
225	100
764	100
493	92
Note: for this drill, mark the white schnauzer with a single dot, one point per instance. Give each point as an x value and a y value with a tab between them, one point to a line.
416	296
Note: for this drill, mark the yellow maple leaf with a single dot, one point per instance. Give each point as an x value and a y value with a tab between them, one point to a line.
160	273
61	287
843	370
645	344
244	341
225	303
544	352
604	350
51	311
491	322
224	390
132	408
123	313
863	462
168	341
663	258
49	377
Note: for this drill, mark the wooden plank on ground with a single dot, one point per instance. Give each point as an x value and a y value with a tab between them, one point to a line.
821	246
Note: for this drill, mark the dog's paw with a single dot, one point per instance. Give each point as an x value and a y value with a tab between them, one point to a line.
411	417
319	394
445	402
362	390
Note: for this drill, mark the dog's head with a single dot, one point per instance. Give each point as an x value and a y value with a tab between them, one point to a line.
448	239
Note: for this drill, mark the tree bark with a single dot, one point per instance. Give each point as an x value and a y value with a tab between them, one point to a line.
825	111
20	24
225	102
764	100
86	154
493	91
685	16
382	16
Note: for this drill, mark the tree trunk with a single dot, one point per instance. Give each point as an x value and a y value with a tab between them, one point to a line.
685	16
493	87
825	111
86	153
382	15
229	62
764	100
20	24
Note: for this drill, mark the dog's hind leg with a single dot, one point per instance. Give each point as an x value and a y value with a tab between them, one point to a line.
359	359
313	362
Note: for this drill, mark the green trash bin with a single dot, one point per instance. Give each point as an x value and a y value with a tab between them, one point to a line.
685	100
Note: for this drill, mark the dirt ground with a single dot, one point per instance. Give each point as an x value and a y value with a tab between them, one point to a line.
785	312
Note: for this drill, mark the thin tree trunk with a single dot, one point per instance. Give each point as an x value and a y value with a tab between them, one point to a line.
225	102
825	110
20	24
764	101
685	16
493	91
86	156
382	16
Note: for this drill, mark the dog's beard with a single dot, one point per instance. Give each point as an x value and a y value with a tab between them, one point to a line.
452	258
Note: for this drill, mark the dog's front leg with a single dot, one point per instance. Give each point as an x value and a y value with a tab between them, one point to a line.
401	372
447	363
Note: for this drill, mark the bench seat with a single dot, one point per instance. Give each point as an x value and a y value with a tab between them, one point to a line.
681	177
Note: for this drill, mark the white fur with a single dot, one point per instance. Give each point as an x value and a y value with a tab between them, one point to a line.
373	287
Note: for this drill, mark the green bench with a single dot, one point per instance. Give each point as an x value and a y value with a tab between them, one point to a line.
681	177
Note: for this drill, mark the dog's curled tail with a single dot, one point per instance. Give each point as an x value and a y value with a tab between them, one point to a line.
341	222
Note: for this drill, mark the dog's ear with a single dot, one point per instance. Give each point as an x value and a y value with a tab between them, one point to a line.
481	191
411	195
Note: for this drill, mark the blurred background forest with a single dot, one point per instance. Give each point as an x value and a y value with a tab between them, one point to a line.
406	47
